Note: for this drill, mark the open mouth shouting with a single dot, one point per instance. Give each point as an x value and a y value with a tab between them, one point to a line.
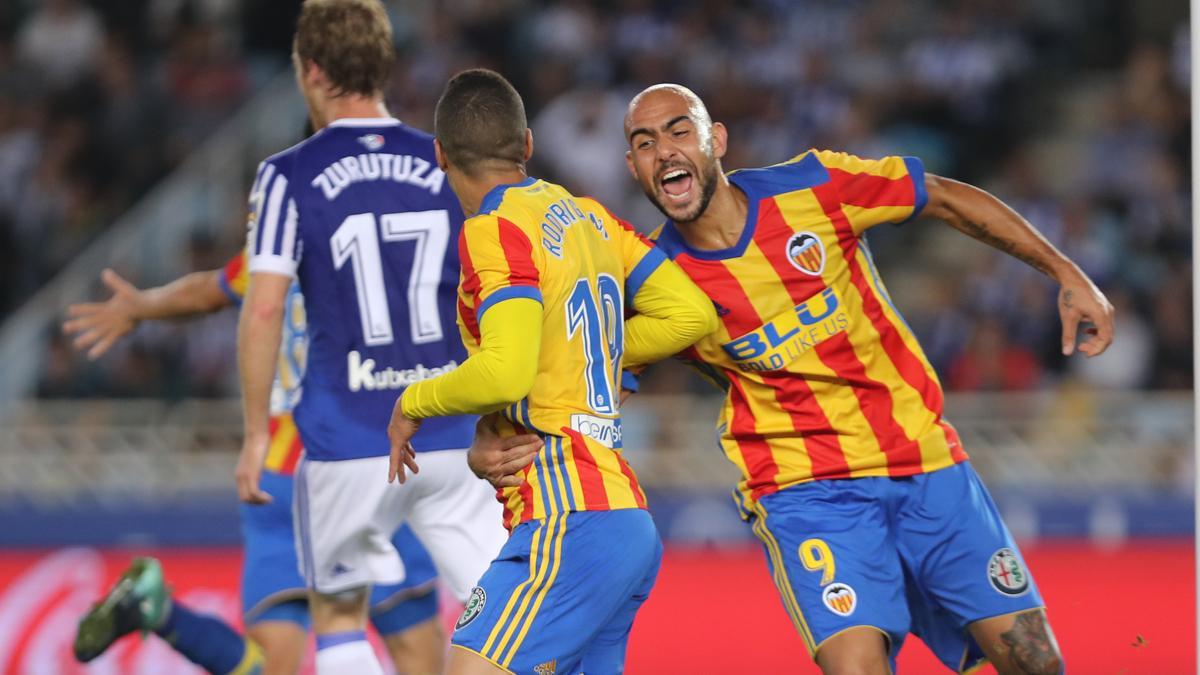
676	185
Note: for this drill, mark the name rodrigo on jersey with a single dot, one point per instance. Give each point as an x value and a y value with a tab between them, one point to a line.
378	166
361	374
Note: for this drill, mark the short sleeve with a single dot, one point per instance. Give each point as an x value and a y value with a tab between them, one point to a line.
498	263
875	191
235	277
271	242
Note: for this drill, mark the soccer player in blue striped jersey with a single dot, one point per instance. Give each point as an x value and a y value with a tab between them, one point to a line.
360	215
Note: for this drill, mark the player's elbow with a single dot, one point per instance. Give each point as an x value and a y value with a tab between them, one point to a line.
263	310
514	383
698	319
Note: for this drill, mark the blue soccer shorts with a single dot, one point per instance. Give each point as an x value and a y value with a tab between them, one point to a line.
561	596
926	554
273	590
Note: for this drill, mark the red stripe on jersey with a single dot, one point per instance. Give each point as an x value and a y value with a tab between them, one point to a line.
234	267
638	496
470	286
874	399
526	493
724	289
756	454
623	223
518	252
594	494
821	442
957	452
910	367
507	517
868	191
293	456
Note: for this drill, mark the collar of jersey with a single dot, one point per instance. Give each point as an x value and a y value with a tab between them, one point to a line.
363	122
491	201
675	244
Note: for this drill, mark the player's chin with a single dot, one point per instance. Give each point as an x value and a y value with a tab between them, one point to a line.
680	211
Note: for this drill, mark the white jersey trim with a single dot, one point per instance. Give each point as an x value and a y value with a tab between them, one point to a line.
364	122
274	264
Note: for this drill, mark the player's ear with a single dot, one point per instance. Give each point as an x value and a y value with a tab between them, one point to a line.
629	163
439	155
720	139
528	144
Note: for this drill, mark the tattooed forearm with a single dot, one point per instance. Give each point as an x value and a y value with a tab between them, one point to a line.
982	233
1030	645
1068	299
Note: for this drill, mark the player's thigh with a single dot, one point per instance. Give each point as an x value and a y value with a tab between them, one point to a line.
964	564
345	516
282	634
607	651
1019	643
555	584
833	560
861	650
457	518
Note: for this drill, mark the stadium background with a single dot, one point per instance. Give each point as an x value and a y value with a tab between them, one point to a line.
129	130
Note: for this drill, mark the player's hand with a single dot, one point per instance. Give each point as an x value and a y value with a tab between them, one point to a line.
400	430
249	469
501	461
1079	301
97	325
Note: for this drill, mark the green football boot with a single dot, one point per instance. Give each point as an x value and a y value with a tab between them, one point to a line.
138	601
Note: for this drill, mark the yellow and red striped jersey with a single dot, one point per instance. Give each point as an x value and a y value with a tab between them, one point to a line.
286	446
824	378
535	240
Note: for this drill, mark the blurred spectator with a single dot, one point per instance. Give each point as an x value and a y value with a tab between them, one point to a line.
992	363
60	41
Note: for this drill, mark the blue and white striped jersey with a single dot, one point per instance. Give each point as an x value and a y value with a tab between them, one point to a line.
361	215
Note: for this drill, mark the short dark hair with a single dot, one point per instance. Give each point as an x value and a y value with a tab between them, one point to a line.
351	40
480	118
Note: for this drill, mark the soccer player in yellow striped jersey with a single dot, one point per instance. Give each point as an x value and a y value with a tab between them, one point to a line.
873	521
545	282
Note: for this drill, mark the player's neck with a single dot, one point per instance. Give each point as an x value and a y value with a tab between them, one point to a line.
722	223
472	190
353	107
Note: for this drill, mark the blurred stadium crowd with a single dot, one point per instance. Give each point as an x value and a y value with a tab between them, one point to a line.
1082	126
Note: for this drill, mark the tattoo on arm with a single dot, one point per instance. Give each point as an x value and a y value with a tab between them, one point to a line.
1030	646
982	233
1067	299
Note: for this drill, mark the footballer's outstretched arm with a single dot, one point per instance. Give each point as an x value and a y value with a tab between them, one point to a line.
986	218
98	325
260	328
501	373
672	314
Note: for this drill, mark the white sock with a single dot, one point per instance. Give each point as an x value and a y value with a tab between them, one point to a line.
348	658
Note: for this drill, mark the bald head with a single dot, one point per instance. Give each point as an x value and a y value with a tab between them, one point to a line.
673	96
675	150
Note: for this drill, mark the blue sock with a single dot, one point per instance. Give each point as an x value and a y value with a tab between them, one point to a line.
205	640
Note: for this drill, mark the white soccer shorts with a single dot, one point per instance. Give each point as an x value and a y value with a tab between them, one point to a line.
345	513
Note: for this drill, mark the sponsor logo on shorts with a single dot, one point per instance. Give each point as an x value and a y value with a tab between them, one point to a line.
548	668
475	603
339	569
1007	574
840	599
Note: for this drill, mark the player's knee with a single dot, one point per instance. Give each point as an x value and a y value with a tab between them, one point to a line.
1028	647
